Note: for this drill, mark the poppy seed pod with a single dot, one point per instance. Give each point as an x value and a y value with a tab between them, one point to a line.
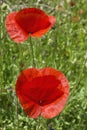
42	92
28	22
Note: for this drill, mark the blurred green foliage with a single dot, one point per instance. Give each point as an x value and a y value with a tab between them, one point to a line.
64	47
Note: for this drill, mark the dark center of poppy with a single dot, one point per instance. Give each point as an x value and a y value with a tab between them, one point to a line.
43	90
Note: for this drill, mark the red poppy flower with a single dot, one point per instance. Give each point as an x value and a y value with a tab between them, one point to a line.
42	92
28	22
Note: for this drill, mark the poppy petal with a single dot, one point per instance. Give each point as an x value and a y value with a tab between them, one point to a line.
40	33
31	109
52	20
32	19
50	71
14	30
53	109
26	75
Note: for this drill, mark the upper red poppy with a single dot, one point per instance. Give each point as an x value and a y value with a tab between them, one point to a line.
28	22
44	91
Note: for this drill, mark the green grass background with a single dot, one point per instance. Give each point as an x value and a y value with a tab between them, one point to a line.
64	47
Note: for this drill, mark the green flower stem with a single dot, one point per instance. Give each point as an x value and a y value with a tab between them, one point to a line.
32	52
17	115
38	124
41	123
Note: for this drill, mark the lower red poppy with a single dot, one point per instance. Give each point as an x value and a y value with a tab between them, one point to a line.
42	91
